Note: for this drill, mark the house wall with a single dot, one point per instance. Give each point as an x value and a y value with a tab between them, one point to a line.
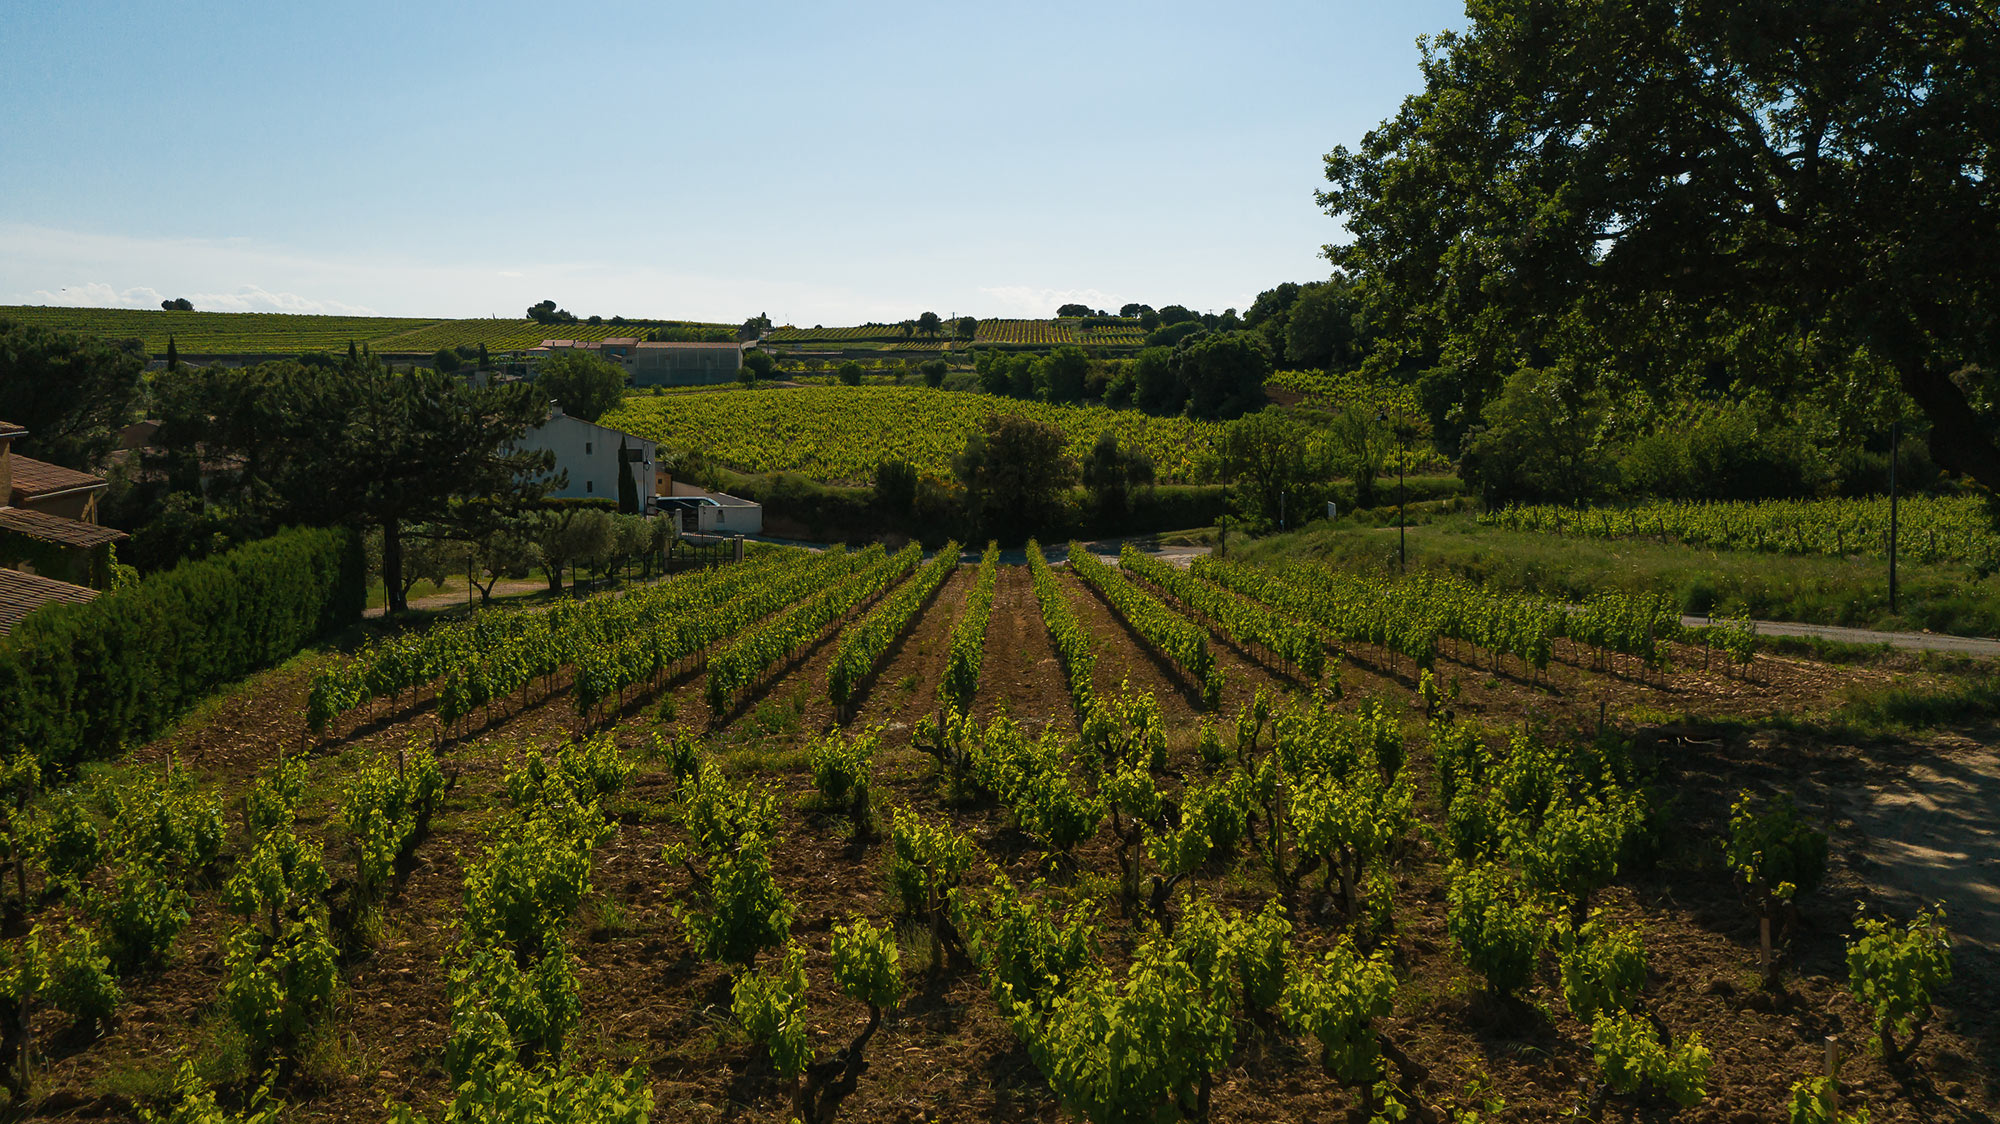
588	453
77	565
732	516
689	366
80	505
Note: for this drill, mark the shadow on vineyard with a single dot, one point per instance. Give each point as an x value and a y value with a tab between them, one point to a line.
1307	842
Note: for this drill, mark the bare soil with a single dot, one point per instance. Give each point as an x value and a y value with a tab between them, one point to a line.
1912	820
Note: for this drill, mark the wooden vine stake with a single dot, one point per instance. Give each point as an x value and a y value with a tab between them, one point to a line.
1832	1077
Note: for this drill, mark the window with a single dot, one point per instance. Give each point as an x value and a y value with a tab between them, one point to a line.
590	485
586	448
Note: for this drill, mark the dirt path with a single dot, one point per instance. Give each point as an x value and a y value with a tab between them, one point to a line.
1019	673
905	685
1931	827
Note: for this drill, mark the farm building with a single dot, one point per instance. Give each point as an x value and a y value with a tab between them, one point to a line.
51	548
659	364
590	457
698	511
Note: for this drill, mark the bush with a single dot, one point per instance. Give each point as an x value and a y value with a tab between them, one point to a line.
275	990
79	980
497	1002
771	1006
1603	969
67	840
841	770
1336	1002
141	916
86	680
1629	1053
194	1103
1496	926
1895	970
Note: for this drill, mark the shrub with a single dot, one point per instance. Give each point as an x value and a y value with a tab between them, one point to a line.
194	1103
1141	1048
1778	856
739	911
67	840
499	1006
84	680
386	805
79	978
273	800
1496	926
927	861
771	1006
1603	969
1026	952
145	911
867	967
840	769
1895	970
275	990
1812	1103
1629	1053
1336	1002
280	879
164	820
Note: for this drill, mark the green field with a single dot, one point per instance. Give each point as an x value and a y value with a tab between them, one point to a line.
842	433
283	333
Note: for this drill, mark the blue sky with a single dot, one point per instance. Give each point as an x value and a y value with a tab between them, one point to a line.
823	163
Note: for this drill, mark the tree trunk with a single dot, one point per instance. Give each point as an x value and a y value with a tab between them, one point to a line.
392	566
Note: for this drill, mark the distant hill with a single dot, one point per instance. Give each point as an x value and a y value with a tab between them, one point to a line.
283	333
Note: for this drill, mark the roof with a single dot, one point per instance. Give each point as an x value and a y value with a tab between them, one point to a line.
21	594
670	343
35	479
54	528
9	429
625	340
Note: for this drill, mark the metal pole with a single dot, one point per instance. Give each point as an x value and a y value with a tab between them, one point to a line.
1895	439
1402	543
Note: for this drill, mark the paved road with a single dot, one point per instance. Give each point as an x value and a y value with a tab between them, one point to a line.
1921	641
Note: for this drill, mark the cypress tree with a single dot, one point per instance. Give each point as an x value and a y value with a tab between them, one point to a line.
173	355
628	488
353	356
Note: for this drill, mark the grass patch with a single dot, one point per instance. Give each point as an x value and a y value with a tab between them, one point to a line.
1813	589
1899	708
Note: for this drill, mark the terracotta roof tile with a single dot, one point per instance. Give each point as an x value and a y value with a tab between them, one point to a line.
34	479
54	528
21	594
9	429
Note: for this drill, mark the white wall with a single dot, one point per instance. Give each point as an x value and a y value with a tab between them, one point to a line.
588	452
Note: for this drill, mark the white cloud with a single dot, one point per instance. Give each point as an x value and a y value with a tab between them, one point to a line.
1027	302
250	298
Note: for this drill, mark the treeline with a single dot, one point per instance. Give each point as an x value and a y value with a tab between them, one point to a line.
86	680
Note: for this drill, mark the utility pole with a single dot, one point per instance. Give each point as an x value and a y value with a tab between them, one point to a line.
1895	440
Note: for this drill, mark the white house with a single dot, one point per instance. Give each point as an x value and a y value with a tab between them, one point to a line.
587	453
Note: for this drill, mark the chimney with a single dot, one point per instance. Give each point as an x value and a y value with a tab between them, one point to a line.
555	408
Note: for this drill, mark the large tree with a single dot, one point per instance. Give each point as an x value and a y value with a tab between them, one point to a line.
584	385
71	392
1797	195
356	444
1015	471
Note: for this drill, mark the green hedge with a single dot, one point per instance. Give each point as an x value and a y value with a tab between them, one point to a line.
80	681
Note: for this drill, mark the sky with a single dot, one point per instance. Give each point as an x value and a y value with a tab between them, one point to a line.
827	163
